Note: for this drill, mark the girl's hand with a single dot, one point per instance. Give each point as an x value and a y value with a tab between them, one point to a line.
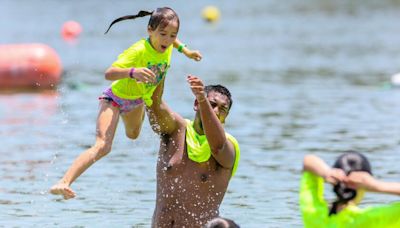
197	87
362	180
196	55
143	74
334	176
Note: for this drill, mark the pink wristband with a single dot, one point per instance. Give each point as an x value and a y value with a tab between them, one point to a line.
131	71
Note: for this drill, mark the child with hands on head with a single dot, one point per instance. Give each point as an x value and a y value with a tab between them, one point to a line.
351	177
135	75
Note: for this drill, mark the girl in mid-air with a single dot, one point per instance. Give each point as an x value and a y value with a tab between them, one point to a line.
135	75
350	176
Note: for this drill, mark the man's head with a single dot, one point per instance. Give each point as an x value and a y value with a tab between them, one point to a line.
221	223
220	99
219	89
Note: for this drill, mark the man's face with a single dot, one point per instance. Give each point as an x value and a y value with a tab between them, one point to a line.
220	105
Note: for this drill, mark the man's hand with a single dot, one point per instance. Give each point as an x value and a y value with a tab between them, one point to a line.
197	87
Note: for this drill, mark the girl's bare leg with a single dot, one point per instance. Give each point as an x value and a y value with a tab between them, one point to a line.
133	121
107	122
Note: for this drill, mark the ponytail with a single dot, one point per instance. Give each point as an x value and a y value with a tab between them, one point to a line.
344	195
129	17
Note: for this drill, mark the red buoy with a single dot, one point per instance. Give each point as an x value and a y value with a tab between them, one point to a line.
29	66
70	31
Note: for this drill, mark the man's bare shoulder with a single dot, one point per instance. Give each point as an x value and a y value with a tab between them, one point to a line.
180	121
180	125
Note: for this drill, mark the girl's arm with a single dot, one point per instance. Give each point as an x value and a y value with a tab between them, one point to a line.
141	74
366	181
195	54
389	187
317	166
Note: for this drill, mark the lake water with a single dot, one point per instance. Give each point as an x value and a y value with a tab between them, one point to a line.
306	77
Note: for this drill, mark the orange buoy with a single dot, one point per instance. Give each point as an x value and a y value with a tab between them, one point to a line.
29	66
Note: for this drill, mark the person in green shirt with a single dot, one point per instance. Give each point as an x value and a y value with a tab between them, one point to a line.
196	159
351	177
135	75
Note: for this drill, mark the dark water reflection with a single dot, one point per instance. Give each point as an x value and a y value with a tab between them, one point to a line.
307	77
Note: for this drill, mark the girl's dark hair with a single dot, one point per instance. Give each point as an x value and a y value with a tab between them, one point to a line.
159	17
349	161
220	222
219	89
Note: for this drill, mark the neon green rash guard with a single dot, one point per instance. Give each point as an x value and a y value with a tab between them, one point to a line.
141	54
199	150
315	209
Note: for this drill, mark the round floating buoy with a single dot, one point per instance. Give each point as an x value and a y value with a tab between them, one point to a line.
29	66
70	30
211	14
395	80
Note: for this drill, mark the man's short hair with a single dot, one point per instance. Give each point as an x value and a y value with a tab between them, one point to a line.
220	222
220	89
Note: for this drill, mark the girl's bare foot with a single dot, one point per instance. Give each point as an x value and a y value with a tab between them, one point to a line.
62	189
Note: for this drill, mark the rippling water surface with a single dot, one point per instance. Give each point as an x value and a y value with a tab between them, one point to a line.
306	77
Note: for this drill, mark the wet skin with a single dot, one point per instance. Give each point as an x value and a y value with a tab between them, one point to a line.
187	192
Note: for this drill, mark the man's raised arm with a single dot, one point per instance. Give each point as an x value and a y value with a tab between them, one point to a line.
222	149
162	119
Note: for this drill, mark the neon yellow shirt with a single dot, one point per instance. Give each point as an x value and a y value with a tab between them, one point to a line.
315	209
141	54
199	150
